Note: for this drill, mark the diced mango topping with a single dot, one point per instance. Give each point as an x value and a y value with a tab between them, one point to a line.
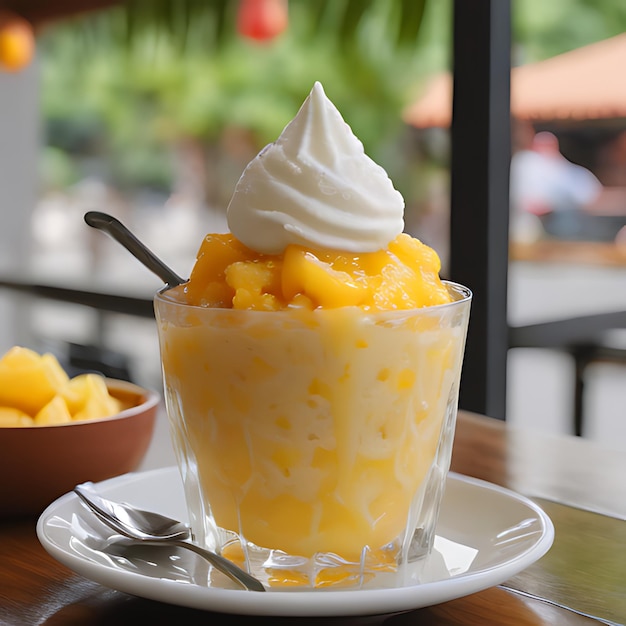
36	391
229	275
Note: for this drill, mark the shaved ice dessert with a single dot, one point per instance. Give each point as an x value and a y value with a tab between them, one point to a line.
311	369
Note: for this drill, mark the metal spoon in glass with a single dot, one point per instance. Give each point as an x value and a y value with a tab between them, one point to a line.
150	527
139	250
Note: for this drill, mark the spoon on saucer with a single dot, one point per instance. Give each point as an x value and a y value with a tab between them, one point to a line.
139	250
154	528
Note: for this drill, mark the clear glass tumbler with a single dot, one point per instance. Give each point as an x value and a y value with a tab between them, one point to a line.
314	445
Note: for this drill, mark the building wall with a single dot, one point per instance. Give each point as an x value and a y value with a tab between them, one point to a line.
19	153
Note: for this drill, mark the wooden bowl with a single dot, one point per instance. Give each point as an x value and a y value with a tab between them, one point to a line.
40	463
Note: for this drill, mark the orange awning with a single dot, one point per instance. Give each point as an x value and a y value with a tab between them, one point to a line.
587	83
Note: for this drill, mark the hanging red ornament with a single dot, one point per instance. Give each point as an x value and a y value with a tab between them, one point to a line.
262	20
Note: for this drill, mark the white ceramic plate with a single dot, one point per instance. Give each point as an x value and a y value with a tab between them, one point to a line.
485	535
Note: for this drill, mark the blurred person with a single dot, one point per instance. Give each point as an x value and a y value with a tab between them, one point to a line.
556	191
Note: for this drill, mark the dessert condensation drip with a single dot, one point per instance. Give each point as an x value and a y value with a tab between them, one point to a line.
315	186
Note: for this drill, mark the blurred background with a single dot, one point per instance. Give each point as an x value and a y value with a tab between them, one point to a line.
150	109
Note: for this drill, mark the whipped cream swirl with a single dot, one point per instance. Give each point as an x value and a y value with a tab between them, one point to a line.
316	187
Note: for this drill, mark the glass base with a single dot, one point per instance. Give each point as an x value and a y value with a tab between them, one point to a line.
381	568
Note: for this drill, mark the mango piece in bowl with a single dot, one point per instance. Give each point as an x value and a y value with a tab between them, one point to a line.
87	397
14	418
35	390
55	412
28	381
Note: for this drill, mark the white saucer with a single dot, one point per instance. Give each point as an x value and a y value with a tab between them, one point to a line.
485	535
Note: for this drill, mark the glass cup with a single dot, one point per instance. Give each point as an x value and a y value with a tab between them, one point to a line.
314	445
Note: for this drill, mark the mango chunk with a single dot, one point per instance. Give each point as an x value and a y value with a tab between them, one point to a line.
207	284
36	391
304	272
29	381
55	412
12	418
256	284
87	397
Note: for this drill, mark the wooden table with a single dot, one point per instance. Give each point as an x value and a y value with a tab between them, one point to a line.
581	581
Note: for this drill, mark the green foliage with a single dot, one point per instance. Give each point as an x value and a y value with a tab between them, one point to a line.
546	28
340	19
150	73
57	168
128	83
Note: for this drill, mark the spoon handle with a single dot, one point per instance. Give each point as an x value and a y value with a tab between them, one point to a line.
223	565
122	235
118	516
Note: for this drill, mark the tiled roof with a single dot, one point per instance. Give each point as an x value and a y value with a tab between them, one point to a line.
584	84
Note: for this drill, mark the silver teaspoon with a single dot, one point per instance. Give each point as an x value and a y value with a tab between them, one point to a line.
150	527
139	250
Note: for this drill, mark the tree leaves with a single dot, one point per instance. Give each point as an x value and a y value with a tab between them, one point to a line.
339	19
411	15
